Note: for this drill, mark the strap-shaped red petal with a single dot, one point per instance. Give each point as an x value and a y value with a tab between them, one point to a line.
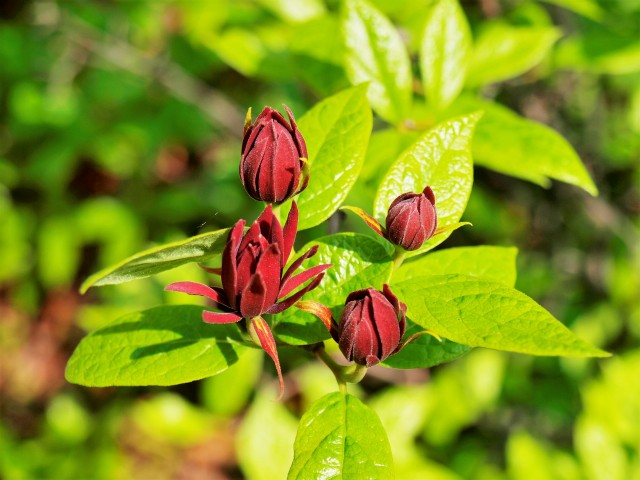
213	270
369	220
294	266
319	310
193	288
229	273
270	269
290	229
288	302
263	332
252	298
294	282
217	317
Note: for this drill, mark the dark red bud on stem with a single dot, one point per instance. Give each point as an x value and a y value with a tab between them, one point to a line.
412	219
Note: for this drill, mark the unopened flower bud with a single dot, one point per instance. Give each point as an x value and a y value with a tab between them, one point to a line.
412	219
274	157
371	327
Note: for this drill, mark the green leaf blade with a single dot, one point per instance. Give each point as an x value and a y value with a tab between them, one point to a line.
158	259
166	345
359	261
376	54
495	264
444	52
441	158
503	51
337	132
340	437
478	313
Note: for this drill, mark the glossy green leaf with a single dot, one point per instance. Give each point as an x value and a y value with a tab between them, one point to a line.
340	437
587	8
376	54
495	264
522	148
503	51
440	158
158	259
479	313
359	261
336	131
444	52
164	345
425	351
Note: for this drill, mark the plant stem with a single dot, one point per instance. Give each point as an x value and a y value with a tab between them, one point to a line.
344	374
398	258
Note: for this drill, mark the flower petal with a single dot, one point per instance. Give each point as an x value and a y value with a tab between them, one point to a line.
263	332
193	288
217	317
368	219
294	266
294	282
270	270
288	302
319	310
290	230
229	271
252	298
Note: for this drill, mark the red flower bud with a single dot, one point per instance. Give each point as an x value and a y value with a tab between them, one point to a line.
371	327
274	156
412	219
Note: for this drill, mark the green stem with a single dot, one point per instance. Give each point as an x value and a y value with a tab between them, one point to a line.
398	257
344	374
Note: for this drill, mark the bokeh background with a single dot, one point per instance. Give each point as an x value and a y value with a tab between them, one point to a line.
120	126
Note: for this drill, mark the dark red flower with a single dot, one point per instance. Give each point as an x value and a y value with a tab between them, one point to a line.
371	327
412	219
274	156
252	276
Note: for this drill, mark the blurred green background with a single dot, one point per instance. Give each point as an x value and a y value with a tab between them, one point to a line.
120	126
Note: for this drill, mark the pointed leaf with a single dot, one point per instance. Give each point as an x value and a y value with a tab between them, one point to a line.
165	345
516	146
496	264
340	437
376	54
444	52
158	259
337	133
480	313
440	158
503	51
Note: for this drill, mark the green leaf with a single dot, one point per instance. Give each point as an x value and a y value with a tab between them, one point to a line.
522	148
495	264
359	261
425	351
503	51
340	437
336	131
376	54
440	158
587	8
165	345
480	313
158	259
444	52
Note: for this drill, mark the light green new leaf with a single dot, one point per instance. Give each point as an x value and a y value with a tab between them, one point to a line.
158	259
444	52
336	132
503	51
587	8
165	345
340	437
480	313
510	144
441	158
495	264
359	261
376	54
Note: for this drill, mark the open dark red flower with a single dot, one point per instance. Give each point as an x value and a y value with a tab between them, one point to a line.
371	327
253	278
274	156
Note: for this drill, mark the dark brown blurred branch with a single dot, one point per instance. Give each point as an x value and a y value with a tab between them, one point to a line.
216	106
